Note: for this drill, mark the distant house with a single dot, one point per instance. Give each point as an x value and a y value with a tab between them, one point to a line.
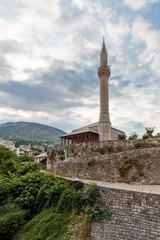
42	158
25	149
41	148
8	144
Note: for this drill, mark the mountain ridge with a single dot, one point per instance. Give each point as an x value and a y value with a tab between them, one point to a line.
30	130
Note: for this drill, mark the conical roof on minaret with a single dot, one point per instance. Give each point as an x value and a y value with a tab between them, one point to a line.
103	55
103	47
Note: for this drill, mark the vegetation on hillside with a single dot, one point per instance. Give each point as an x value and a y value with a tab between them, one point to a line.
36	205
9	161
29	132
148	134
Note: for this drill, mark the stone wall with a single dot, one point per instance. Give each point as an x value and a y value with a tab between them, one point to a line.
115	133
112	161
135	216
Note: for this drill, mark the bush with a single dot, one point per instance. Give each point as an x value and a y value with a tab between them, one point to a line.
119	148
29	167
11	219
62	158
26	158
145	137
101	150
128	163
48	203
148	133
92	204
46	225
157	135
110	149
122	137
91	162
9	161
139	144
133	136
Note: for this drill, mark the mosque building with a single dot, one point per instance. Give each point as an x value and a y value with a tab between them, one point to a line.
102	130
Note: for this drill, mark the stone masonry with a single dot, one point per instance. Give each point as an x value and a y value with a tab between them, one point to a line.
135	216
135	208
110	161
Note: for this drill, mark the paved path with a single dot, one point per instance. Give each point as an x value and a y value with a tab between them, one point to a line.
154	189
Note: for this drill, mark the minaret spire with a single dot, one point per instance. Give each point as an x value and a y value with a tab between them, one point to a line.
103	55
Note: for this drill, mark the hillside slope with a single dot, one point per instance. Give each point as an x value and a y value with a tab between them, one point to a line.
29	130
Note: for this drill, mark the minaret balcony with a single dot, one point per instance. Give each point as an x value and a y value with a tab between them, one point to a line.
104	71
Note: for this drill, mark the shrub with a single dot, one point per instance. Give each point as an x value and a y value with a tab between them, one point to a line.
72	150
128	163
91	162
122	137
9	161
26	158
149	131
145	137
133	136
101	150
46	225
11	219
61	152
96	211
139	144
29	167
55	200
119	148
62	158
92	204
157	135
110	149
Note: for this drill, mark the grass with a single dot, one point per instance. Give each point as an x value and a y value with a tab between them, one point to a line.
47	225
128	163
47	207
79	228
139	144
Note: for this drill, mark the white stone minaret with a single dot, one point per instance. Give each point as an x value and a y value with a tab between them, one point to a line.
104	125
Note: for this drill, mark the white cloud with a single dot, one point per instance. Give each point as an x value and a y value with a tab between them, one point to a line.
138	4
144	33
155	65
50	49
118	30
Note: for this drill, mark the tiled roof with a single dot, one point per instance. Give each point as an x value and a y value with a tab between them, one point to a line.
79	131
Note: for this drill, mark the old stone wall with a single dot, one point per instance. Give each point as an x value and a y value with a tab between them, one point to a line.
135	216
115	133
112	161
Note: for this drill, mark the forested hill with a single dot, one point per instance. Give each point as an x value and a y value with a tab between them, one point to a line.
29	130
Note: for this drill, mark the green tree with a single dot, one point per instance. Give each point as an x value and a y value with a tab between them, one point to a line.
122	137
157	135
149	132
29	167
9	161
133	136
26	158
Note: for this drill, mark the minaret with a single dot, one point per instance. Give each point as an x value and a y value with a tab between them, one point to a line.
104	125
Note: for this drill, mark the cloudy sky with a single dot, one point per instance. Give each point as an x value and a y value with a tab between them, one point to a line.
50	55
